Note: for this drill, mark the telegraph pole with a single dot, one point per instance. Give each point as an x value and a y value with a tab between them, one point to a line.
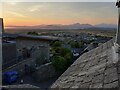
117	40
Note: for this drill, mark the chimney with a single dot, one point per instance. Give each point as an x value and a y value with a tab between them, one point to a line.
1	31
117	40
1	26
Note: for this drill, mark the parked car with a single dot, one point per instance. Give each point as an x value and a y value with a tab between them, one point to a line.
10	77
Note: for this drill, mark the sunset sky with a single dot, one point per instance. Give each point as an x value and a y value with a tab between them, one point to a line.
37	13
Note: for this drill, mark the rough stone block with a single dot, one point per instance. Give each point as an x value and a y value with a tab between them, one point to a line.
111	77
97	85
98	79
85	85
110	70
80	79
111	85
87	79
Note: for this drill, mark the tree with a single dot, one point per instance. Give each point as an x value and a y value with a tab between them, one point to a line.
81	44
72	44
61	51
32	33
69	59
59	63
57	44
62	59
76	44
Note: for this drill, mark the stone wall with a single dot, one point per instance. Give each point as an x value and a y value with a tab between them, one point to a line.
20	67
40	46
44	72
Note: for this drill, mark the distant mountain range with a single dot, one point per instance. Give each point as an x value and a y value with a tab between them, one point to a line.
70	26
106	26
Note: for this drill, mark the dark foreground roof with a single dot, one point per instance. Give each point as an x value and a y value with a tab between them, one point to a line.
98	68
21	87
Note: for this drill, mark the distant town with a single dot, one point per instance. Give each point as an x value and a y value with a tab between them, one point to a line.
38	58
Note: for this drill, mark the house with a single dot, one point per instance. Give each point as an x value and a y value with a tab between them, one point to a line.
8	53
37	46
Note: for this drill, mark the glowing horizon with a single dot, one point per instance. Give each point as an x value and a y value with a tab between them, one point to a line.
38	13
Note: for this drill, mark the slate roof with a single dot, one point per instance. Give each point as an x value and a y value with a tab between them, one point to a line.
48	38
97	68
25	36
